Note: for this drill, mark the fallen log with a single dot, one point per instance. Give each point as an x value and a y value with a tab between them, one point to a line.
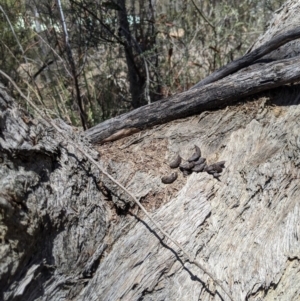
249	81
65	237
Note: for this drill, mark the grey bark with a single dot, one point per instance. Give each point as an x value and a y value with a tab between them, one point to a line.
68	233
39	198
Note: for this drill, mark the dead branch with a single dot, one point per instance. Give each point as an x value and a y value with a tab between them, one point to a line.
249	81
251	57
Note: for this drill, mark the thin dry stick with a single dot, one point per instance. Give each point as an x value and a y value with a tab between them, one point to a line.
61	60
14	34
202	15
187	255
72	65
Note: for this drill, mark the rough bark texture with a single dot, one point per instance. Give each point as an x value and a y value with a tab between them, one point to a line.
63	238
46	198
68	233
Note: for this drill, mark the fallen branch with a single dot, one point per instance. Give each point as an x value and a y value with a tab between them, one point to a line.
249	81
251	57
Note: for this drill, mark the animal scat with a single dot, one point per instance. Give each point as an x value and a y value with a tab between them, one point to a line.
187	165
216	176
221	164
208	168
175	162
200	161
170	178
217	168
185	172
213	168
199	167
196	155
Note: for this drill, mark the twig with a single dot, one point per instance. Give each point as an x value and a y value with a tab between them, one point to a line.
55	53
72	65
187	255
202	15
14	34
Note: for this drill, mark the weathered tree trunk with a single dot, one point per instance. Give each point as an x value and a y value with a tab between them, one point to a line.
69	233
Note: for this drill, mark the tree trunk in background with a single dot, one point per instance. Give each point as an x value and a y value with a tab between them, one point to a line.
136	70
69	233
140	49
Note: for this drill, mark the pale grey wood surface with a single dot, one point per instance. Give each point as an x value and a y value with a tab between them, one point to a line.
284	19
245	227
68	233
63	238
51	216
